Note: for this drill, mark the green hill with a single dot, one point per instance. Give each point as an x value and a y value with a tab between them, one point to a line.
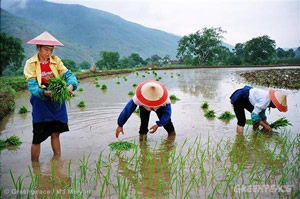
97	30
26	30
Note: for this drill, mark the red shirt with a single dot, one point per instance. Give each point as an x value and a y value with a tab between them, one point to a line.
46	72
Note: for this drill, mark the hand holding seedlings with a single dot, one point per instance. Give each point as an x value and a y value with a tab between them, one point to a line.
153	128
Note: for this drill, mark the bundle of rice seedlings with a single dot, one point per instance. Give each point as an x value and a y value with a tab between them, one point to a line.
205	105
23	109
173	97
281	122
210	114
59	90
13	141
226	116
81	104
121	146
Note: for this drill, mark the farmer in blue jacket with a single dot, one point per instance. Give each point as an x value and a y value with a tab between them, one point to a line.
150	96
256	101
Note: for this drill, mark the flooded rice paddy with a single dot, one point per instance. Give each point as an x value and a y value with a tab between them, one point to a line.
206	159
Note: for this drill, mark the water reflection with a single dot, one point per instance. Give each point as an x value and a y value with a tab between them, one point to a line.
152	177
256	148
51	179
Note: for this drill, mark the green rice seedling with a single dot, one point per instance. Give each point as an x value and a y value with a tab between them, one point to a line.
137	111
84	166
18	184
69	168
131	93
281	122
137	74
134	85
205	105
125	79
2	144
103	87
74	95
174	98
81	104
210	114
52	170
118	82
80	89
23	109
99	161
172	76
98	85
121	146
143	76
227	115
178	74
96	78
59	90
249	122
13	141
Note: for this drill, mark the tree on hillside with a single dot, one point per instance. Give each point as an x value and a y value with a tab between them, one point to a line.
11	52
109	60
84	65
70	64
203	45
259	50
137	59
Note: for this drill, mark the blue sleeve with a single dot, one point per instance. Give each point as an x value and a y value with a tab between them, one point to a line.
126	113
166	115
34	89
263	115
255	117
70	78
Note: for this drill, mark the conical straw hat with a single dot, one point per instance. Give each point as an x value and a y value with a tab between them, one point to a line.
152	93
279	100
45	39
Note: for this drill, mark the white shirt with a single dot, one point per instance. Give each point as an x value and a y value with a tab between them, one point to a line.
260	99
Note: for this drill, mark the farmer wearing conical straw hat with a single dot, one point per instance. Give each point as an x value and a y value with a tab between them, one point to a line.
256	101
49	118
150	96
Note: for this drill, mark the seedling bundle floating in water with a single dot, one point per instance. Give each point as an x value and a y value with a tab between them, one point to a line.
226	116
121	146
59	90
11	141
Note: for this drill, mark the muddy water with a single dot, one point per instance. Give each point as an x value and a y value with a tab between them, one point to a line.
93	127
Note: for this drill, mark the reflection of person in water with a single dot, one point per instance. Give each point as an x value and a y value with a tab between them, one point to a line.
153	176
255	148
48	185
256	101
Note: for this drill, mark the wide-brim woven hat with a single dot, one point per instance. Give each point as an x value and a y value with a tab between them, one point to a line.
45	39
278	99
152	93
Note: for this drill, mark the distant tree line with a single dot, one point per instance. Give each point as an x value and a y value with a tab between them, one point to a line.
203	47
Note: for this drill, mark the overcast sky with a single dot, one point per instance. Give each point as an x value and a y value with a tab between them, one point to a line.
241	19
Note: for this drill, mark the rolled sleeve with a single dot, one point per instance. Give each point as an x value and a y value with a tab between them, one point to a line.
70	78
34	89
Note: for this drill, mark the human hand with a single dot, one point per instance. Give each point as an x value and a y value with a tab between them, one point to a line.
47	93
153	128
70	88
119	130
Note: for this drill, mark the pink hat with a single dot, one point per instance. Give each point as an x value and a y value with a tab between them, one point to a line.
152	93
278	99
45	39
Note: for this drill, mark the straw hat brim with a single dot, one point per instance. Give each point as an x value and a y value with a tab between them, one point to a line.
278	99
45	39
160	93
